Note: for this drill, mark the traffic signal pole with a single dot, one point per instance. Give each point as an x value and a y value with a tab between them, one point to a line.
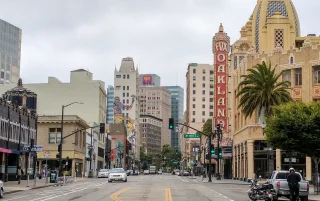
219	132
209	152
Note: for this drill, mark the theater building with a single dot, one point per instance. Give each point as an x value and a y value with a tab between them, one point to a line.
272	33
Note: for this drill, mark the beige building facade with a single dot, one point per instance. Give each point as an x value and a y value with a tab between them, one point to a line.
272	34
156	101
74	147
200	104
81	88
151	127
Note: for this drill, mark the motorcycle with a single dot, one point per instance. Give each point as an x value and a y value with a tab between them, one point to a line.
261	192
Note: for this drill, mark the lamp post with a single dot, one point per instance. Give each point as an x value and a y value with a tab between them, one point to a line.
60	151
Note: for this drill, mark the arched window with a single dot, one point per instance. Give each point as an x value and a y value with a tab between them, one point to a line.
291	60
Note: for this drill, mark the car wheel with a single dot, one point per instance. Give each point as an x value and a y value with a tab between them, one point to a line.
125	180
1	193
109	181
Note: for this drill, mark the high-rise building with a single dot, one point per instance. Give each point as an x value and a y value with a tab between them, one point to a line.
200	101
150	80
110	101
177	110
10	52
126	101
150	127
156	101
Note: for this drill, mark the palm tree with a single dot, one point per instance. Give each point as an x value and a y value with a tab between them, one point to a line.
261	90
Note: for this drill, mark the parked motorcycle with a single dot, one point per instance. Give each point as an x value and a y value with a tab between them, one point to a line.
261	192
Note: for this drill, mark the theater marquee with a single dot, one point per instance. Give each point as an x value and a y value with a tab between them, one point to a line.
221	44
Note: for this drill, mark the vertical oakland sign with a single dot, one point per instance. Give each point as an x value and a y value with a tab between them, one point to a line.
221	44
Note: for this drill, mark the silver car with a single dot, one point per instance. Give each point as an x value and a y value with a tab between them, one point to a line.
117	174
103	173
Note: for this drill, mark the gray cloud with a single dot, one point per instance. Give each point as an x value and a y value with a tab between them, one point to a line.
161	35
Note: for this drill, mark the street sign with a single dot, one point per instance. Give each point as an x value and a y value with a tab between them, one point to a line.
46	154
197	135
35	148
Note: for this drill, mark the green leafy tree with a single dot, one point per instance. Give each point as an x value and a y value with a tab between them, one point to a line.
295	126
261	89
170	155
207	127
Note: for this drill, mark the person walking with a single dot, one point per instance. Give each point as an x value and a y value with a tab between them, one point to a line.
293	180
19	174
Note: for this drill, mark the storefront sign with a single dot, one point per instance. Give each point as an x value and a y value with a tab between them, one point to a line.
220	50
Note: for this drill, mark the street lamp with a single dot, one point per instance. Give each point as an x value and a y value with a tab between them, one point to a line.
60	151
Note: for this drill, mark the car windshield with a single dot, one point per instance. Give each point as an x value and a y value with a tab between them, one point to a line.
120	170
103	170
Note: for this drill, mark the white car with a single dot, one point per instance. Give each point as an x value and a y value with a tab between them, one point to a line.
103	173
1	189
117	174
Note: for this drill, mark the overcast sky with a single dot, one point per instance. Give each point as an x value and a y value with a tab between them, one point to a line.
162	36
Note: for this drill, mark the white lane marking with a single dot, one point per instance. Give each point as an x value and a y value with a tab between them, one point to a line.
54	194
63	194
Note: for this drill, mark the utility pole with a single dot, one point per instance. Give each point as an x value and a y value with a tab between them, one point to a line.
209	153
90	151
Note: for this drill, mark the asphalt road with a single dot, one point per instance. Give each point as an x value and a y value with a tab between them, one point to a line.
138	188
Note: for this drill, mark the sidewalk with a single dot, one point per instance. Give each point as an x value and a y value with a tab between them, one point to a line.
13	186
312	196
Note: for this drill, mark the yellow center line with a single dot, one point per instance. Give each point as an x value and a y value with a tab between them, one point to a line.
168	194
115	195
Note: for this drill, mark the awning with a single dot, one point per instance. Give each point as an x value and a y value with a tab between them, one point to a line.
3	150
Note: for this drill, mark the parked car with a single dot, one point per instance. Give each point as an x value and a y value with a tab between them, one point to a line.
146	172
117	174
279	181
103	173
160	172
186	173
1	189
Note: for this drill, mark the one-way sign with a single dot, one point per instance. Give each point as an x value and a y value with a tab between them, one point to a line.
35	148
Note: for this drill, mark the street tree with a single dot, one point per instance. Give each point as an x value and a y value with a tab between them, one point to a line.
261	89
170	155
295	126
207	127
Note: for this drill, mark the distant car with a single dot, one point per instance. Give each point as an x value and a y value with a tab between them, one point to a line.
103	173
146	172
1	189
186	173
117	174
160	172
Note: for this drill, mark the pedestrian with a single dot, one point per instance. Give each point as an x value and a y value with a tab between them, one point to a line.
293	180
19	174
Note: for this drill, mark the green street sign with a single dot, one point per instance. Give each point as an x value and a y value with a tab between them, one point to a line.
197	135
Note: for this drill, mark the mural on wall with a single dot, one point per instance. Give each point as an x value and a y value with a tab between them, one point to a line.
130	123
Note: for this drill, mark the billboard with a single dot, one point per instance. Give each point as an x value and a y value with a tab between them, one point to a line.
221	44
147	80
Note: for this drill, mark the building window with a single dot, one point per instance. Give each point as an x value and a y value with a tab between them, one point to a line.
286	76
211	72
193	120
278	38
204	78
203	120
211	114
127	94
193	105
203	92
118	76
194	113
128	76
298	77
194	84
194	78
211	93
203	99
124	88
124	95
203	113
316	74
194	71
54	135
211	107
127	87
124	76
291	60
211	86
211	100
194	98
204	71
194	91
203	85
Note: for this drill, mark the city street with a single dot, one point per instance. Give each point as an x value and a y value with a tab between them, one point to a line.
138	188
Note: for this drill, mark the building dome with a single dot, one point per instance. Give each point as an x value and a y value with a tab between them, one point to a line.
22	97
274	12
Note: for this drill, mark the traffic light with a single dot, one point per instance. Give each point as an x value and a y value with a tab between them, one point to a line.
90	153
177	151
212	149
171	123
102	128
59	148
220	153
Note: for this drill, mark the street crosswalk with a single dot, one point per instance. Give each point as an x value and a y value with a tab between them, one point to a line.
53	193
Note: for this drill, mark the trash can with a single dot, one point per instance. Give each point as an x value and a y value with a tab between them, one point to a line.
53	176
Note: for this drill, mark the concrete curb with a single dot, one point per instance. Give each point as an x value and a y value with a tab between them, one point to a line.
37	187
10	192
